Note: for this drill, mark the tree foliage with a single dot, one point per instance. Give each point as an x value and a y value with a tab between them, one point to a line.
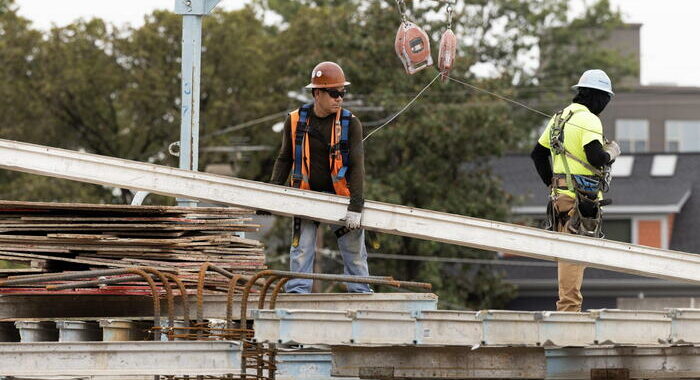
115	90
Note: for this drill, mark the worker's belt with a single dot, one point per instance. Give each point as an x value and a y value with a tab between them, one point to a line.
585	183
559	182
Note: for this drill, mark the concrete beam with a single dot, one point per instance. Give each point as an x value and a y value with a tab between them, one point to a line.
661	362
112	306
422	362
473	329
122	358
328	208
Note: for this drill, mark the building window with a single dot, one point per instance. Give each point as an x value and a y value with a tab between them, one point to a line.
618	230
683	135
632	135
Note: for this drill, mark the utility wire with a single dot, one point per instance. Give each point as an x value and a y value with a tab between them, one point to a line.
404	108
247	124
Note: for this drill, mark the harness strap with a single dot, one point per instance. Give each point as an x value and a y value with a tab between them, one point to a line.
558	147
301	130
344	145
557	144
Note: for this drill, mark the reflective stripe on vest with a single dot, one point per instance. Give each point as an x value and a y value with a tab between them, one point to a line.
339	152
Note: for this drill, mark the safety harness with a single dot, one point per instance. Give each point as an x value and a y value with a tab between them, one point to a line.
339	149
339	155
585	187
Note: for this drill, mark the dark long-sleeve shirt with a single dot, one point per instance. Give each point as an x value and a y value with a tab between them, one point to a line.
595	155
320	171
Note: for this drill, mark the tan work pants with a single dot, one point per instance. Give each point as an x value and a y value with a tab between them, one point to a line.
570	275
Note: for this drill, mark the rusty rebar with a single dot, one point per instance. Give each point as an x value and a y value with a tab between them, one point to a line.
91	283
200	286
183	297
200	294
220	271
168	294
229	299
276	291
319	276
33	279
263	292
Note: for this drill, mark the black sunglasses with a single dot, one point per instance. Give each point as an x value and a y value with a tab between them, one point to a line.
334	93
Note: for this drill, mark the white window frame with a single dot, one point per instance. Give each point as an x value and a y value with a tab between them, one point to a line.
664	228
623	125
678	139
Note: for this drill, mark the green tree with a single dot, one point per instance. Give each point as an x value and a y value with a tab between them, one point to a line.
115	91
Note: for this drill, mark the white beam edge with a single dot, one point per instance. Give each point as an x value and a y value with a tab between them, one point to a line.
327	208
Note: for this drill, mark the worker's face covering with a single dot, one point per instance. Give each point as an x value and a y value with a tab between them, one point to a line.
594	100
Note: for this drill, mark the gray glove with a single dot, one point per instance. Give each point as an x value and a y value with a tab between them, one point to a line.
612	149
352	220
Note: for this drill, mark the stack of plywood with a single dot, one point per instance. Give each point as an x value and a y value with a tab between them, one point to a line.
41	237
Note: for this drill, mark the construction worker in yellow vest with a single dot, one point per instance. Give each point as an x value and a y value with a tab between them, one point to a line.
322	147
577	174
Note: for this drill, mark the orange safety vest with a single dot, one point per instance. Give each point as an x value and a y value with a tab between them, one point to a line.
339	149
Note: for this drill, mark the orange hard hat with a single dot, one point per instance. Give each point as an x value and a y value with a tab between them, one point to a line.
327	75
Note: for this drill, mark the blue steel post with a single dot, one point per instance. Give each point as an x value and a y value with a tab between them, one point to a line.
192	12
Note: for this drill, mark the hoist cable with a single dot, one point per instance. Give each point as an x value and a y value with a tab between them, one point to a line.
504	98
404	108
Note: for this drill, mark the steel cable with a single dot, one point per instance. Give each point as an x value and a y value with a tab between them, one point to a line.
404	108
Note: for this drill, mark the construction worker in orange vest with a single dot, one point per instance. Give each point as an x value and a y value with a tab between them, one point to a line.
573	158
322	148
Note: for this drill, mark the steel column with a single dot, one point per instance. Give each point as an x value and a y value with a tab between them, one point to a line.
192	12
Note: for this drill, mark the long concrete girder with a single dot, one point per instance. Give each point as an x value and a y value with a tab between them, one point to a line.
214	305
483	328
382	217
119	358
421	362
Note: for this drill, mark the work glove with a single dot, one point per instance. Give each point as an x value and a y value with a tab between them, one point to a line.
612	149
352	220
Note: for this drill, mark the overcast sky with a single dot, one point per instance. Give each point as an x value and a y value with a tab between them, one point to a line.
669	47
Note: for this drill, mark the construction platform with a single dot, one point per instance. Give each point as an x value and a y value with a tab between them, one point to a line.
113	306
